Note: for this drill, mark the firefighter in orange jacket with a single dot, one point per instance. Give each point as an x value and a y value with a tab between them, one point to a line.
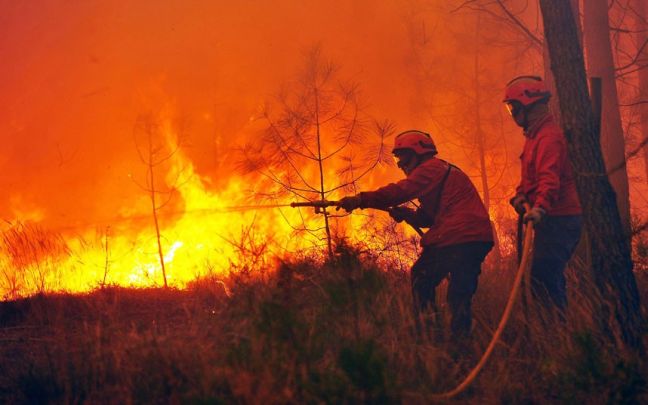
459	234
547	185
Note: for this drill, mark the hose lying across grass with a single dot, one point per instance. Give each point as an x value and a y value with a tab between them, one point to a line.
524	262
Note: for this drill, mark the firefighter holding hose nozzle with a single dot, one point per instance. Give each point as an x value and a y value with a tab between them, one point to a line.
459	234
547	185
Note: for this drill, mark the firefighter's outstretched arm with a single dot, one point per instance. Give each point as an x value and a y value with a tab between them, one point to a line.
349	203
352	202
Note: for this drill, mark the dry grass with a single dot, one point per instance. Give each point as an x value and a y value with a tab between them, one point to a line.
310	332
32	257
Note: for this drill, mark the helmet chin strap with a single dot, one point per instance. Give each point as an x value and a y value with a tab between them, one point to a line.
524	115
411	164
525	123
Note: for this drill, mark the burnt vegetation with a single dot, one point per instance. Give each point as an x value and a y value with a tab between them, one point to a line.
338	330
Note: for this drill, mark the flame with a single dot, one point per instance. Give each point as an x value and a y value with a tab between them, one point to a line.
74	218
204	232
213	233
209	237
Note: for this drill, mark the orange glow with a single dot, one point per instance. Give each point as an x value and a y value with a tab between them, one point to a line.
201	240
76	76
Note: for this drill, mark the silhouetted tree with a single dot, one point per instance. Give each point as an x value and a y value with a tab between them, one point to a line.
157	143
548	75
106	247
611	263
600	63
641	27
315	140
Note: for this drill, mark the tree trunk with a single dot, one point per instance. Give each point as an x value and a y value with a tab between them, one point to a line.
600	63
479	137
548	76
641	27
320	163
154	209
479	134
611	263
107	253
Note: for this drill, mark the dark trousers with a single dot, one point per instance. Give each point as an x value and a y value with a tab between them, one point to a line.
463	264
555	240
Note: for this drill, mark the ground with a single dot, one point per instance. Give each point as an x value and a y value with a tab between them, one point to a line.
338	331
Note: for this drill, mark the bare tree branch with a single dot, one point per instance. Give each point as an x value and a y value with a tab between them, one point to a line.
519	24
636	57
634	104
317	120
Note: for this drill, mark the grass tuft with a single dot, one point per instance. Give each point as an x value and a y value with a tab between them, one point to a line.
311	330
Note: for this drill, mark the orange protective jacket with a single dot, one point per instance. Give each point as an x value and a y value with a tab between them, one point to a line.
455	216
547	178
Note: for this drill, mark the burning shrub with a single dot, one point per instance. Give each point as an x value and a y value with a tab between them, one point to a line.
33	254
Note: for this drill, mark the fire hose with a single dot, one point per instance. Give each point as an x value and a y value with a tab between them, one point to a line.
523	263
321	205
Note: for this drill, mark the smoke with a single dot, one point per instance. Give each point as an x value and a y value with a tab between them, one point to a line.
76	75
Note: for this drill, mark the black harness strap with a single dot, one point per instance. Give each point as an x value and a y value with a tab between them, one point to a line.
440	192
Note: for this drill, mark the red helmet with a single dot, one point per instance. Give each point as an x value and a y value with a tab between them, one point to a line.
526	90
418	141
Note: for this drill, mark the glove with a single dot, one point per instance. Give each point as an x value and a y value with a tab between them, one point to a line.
518	203
349	203
400	214
535	214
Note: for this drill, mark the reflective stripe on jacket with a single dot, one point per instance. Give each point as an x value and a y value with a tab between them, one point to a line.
547	178
460	215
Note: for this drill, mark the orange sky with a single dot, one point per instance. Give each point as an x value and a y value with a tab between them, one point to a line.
76	74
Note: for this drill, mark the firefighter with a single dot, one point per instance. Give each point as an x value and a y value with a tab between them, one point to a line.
547	185
459	234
